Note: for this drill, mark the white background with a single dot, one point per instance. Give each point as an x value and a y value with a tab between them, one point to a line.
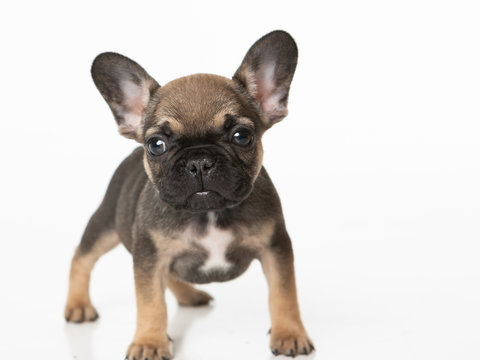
377	166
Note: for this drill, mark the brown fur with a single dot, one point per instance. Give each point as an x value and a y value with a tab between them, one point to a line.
287	336
186	294
162	120
79	307
184	100
151	334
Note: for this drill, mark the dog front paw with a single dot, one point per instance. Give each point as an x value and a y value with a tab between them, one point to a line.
80	313
290	343
143	351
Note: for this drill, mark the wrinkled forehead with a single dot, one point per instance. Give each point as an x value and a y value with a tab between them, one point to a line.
198	104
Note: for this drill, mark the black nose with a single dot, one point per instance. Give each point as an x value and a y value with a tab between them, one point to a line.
200	166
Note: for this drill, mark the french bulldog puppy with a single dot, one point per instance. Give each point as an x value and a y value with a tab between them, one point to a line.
193	204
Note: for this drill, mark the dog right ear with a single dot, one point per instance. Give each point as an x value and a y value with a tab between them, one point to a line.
127	89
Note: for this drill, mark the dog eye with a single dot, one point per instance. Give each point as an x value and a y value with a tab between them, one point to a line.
242	137
156	146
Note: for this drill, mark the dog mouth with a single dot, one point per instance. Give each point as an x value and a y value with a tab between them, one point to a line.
205	200
202	201
202	193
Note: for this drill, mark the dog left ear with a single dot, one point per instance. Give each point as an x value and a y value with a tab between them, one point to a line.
267	72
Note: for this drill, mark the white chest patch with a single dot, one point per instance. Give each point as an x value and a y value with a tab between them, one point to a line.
215	242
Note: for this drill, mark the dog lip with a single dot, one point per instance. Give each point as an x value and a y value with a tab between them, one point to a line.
204	194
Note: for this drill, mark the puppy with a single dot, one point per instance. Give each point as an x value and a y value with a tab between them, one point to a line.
193	204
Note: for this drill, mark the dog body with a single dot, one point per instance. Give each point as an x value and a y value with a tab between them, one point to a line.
194	204
199	247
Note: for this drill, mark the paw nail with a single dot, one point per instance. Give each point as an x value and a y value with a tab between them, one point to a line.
275	352
292	354
312	347
305	350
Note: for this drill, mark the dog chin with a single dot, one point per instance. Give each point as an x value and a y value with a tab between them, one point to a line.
205	201
202	201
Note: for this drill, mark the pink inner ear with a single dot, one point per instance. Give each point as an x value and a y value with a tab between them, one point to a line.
267	93
135	101
265	82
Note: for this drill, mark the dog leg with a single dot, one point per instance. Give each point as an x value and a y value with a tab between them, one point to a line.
287	336
187	295
79	307
151	340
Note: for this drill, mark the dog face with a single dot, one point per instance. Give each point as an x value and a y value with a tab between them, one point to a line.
202	141
201	133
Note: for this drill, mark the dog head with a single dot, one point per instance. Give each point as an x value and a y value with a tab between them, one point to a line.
201	133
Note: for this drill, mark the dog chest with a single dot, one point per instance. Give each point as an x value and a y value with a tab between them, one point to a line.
210	256
215	243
